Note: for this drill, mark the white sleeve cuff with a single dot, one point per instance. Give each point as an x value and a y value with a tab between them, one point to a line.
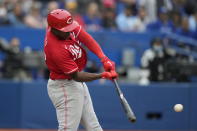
71	71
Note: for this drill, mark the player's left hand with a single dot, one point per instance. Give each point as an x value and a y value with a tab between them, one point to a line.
114	74
109	75
108	64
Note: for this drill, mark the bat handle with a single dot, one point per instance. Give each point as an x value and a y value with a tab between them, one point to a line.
116	83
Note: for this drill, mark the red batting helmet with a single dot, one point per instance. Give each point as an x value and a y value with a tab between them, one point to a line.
61	20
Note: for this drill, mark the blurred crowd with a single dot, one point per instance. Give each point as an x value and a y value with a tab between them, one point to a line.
178	16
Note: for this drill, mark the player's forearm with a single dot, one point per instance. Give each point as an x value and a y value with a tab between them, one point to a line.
85	76
91	44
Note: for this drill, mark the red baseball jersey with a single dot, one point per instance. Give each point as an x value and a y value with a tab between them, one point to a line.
64	57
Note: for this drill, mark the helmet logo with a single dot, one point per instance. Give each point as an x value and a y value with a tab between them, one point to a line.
69	21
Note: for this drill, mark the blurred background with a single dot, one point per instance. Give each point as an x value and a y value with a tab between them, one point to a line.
154	46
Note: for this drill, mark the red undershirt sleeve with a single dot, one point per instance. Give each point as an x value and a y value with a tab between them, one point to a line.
89	42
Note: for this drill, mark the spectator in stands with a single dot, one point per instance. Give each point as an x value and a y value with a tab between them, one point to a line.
121	4
154	60
109	4
127	21
108	21
142	14
3	14
10	4
143	18
163	23
189	7
176	21
16	17
26	5
168	4
128	2
33	18
178	5
92	18
52	5
184	30
83	5
72	6
193	21
151	8
195	31
12	64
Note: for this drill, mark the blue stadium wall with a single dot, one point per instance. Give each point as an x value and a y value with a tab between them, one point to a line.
27	105
112	43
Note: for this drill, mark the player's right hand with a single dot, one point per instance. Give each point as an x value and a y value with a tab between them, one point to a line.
114	74
109	75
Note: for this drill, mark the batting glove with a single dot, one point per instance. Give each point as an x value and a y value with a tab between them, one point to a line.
114	75
108	64
106	75
109	75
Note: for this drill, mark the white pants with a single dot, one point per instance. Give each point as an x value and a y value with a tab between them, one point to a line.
73	105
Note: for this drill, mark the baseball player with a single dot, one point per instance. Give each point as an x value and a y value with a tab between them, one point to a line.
66	58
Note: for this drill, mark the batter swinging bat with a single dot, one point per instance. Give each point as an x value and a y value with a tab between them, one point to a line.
125	105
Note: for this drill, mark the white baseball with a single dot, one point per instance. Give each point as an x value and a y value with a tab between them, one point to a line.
178	107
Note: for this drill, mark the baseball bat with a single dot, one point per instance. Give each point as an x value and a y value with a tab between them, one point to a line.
125	105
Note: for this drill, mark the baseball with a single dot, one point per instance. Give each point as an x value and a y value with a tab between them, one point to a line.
178	107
